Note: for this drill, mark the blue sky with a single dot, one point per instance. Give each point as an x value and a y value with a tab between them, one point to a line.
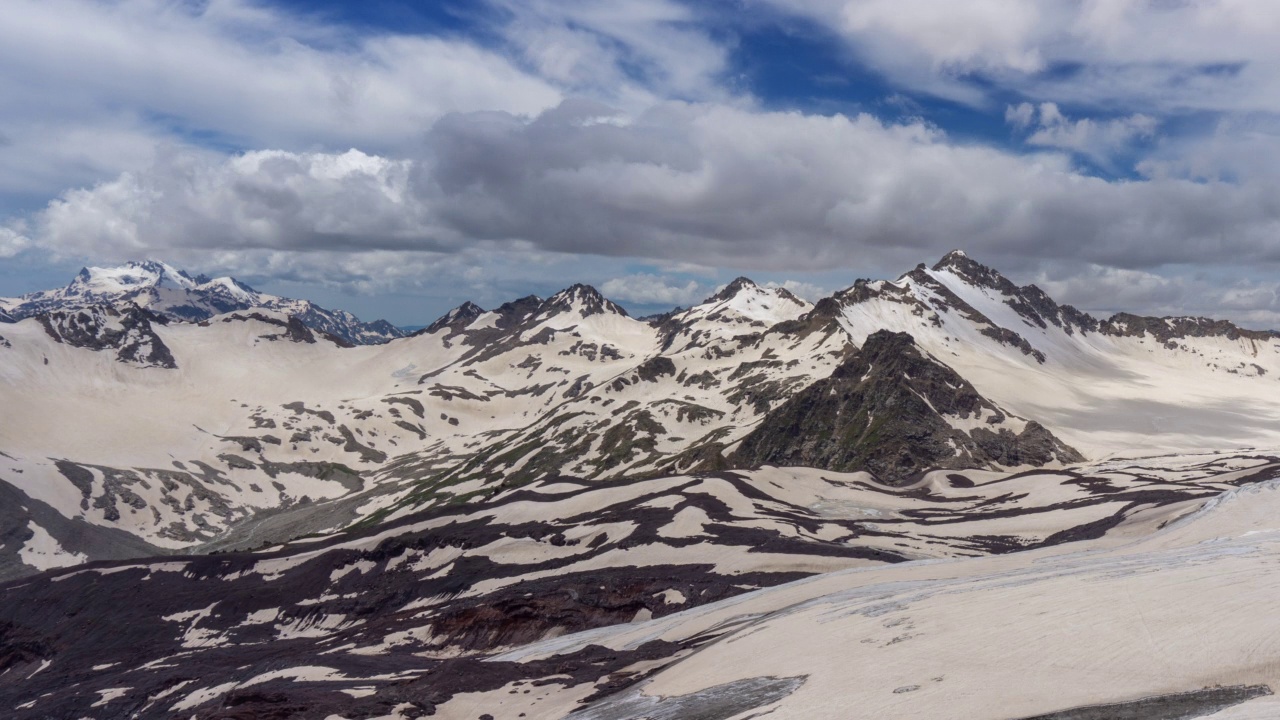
397	158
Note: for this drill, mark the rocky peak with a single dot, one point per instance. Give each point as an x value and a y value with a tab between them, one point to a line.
172	293
889	409
455	319
129	277
127	330
225	283
516	311
1029	301
730	291
582	299
973	272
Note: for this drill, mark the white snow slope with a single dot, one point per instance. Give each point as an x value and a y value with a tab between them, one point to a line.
1177	610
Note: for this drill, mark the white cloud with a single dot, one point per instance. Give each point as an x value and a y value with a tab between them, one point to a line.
95	88
1105	290
12	241
705	184
1150	56
932	46
627	53
1110	289
953	36
651	289
1097	139
1021	115
260	200
808	291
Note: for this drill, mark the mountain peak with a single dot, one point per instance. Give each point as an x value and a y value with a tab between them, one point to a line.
958	260
169	292
731	290
130	277
457	318
583	299
892	409
975	273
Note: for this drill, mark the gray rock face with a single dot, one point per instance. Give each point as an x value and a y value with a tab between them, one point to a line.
885	410
455	320
585	299
128	331
1169	329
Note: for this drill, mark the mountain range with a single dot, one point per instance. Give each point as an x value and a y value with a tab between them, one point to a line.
173	294
554	502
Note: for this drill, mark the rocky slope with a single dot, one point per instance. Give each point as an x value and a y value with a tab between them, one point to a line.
128	331
895	412
173	294
568	595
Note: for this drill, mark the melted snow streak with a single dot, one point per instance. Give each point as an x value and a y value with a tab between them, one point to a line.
714	703
566	592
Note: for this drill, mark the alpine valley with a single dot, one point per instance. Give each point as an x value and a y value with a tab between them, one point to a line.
940	496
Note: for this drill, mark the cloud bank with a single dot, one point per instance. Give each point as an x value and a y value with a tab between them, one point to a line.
701	183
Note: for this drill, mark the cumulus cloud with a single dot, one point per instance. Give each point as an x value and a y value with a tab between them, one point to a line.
708	184
1106	290
799	288
997	33
649	289
1215	55
1110	289
132	76
12	241
223	131
1097	139
259	200
1021	115
626	52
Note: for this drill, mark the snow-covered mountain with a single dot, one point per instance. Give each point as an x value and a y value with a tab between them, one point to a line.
176	295
249	427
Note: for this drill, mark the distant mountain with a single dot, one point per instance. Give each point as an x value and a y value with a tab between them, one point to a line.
172	293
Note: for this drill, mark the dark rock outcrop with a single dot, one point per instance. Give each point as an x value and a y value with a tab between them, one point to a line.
1166	329
128	331
588	302
885	410
454	320
729	291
